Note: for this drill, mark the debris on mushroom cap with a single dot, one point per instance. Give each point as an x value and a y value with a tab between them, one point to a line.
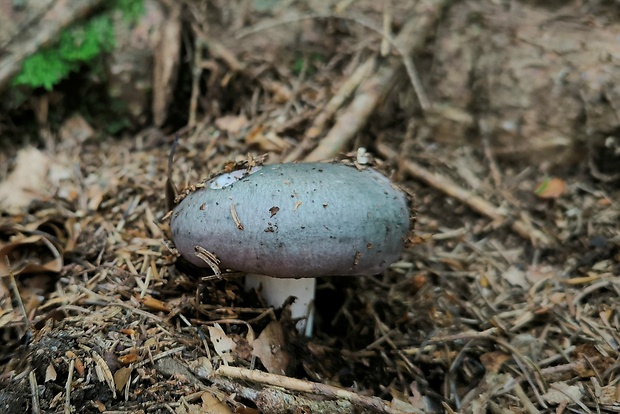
295	220
234	167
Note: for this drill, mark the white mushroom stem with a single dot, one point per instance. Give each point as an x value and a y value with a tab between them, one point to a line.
276	290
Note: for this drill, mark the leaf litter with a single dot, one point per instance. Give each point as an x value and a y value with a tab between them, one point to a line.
507	303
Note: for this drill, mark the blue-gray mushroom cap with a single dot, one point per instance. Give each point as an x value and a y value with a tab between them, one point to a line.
295	220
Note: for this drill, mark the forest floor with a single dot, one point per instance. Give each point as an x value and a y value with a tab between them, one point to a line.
507	302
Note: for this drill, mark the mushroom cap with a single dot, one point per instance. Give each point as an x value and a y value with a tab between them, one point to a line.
295	220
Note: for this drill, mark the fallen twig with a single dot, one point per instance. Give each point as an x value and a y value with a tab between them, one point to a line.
344	92
354	117
373	90
277	401
529	406
68	384
34	392
293	384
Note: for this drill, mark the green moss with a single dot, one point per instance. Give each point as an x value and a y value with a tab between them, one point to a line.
45	69
78	45
310	61
131	9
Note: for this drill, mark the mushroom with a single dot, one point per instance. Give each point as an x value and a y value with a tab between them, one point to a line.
286	224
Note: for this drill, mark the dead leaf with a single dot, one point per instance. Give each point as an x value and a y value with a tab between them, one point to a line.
100	185
222	344
212	405
561	392
607	395
538	273
417	399
281	92
8	315
526	343
50	373
121	376
100	406
484	281
266	141
104	374
404	407
550	188
408	404
490	384
516	277
557	298
232	124
95	196
79	365
189	409
269	347
76	130
155	304
128	359
27	181
202	367
493	361
34	288
30	255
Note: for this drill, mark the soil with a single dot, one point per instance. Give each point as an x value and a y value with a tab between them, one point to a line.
504	126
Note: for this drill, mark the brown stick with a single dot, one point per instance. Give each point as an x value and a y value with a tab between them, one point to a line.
475	202
354	117
410	39
368	403
319	122
54	21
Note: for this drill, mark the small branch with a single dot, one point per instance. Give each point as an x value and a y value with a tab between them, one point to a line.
293	384
410	39
465	336
68	386
277	401
344	92
34	390
354	117
527	404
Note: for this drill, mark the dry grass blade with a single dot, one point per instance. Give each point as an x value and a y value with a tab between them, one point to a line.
18	297
103	370
210	259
